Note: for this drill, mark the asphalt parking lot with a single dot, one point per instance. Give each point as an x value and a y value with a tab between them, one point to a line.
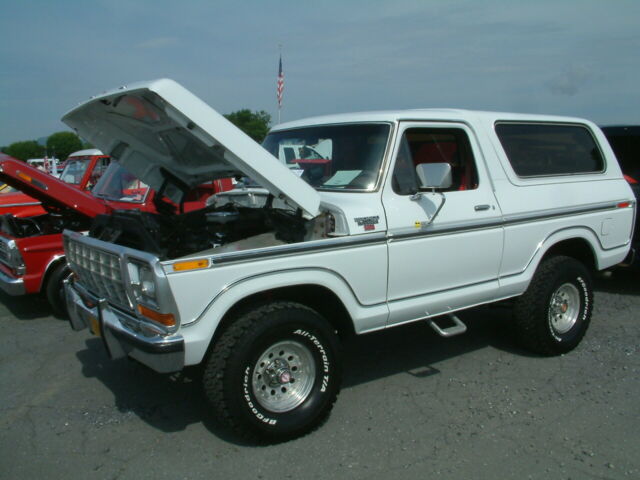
413	405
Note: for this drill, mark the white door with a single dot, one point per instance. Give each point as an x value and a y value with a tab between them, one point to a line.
452	262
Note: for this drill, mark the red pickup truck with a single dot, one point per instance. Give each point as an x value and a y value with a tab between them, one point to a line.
31	253
82	170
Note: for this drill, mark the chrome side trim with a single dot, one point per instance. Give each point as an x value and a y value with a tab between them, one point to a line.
30	204
509	220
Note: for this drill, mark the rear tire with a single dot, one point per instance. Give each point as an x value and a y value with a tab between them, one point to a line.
275	372
553	315
54	289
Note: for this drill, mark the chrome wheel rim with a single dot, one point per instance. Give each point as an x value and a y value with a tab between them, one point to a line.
564	308
283	376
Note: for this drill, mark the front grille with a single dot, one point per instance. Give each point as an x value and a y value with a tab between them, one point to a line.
98	271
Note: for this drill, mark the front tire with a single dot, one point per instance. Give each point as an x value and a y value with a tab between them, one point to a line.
54	289
553	315
275	372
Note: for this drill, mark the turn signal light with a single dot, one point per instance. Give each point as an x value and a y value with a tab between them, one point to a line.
162	318
624	205
190	265
24	176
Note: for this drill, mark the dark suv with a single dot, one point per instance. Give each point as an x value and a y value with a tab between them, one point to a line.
625	141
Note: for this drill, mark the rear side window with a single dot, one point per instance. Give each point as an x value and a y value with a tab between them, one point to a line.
541	150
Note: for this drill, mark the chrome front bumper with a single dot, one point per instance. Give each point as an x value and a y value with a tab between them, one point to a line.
163	354
11	285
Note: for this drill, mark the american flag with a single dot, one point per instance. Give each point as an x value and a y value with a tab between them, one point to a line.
280	83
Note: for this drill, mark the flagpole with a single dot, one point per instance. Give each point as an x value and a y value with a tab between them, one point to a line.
280	83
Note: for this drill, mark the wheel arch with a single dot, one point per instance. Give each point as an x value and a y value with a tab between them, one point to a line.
50	268
576	247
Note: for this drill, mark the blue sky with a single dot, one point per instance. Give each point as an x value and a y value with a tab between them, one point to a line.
575	57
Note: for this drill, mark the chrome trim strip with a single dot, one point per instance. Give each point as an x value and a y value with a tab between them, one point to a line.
30	204
410	233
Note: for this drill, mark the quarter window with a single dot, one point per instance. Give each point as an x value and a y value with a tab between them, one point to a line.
541	150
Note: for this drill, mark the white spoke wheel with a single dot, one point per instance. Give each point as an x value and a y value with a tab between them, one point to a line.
283	376
274	373
553	315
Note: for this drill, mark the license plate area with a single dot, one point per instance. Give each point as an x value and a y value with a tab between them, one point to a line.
94	326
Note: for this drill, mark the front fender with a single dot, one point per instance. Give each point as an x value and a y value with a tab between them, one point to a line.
198	333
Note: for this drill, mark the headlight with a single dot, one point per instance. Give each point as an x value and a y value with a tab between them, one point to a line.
15	259
142	282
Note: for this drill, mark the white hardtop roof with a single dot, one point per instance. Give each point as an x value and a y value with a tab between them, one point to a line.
173	141
86	153
431	114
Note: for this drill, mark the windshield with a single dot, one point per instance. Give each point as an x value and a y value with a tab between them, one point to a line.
117	184
74	170
342	157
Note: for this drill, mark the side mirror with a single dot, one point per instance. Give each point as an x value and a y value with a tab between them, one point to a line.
434	175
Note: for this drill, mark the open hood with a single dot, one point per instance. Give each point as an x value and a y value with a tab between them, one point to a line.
48	189
173	141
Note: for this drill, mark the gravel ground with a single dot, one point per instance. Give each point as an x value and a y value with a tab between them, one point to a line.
413	405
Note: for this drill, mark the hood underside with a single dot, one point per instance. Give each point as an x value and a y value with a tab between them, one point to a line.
173	141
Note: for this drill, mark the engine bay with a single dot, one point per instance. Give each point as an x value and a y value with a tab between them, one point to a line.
170	236
46	224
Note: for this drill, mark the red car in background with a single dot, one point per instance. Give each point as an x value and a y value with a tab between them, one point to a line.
31	253
82	170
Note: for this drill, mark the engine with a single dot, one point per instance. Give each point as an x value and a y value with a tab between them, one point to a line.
171	236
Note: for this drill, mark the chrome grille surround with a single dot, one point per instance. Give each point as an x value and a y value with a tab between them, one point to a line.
102	269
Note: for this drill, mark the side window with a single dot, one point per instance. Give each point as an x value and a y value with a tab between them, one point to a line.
434	145
543	149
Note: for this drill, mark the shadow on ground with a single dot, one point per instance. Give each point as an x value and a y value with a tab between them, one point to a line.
26	307
624	281
172	402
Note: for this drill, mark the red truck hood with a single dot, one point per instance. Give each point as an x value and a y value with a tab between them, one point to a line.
48	189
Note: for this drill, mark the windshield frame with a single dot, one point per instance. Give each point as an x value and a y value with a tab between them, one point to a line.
384	157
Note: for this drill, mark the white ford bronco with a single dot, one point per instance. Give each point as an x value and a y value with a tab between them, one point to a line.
386	218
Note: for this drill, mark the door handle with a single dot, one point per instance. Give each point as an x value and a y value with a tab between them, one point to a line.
479	208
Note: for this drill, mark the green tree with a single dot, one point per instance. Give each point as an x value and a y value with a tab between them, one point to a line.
61	144
255	124
25	150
